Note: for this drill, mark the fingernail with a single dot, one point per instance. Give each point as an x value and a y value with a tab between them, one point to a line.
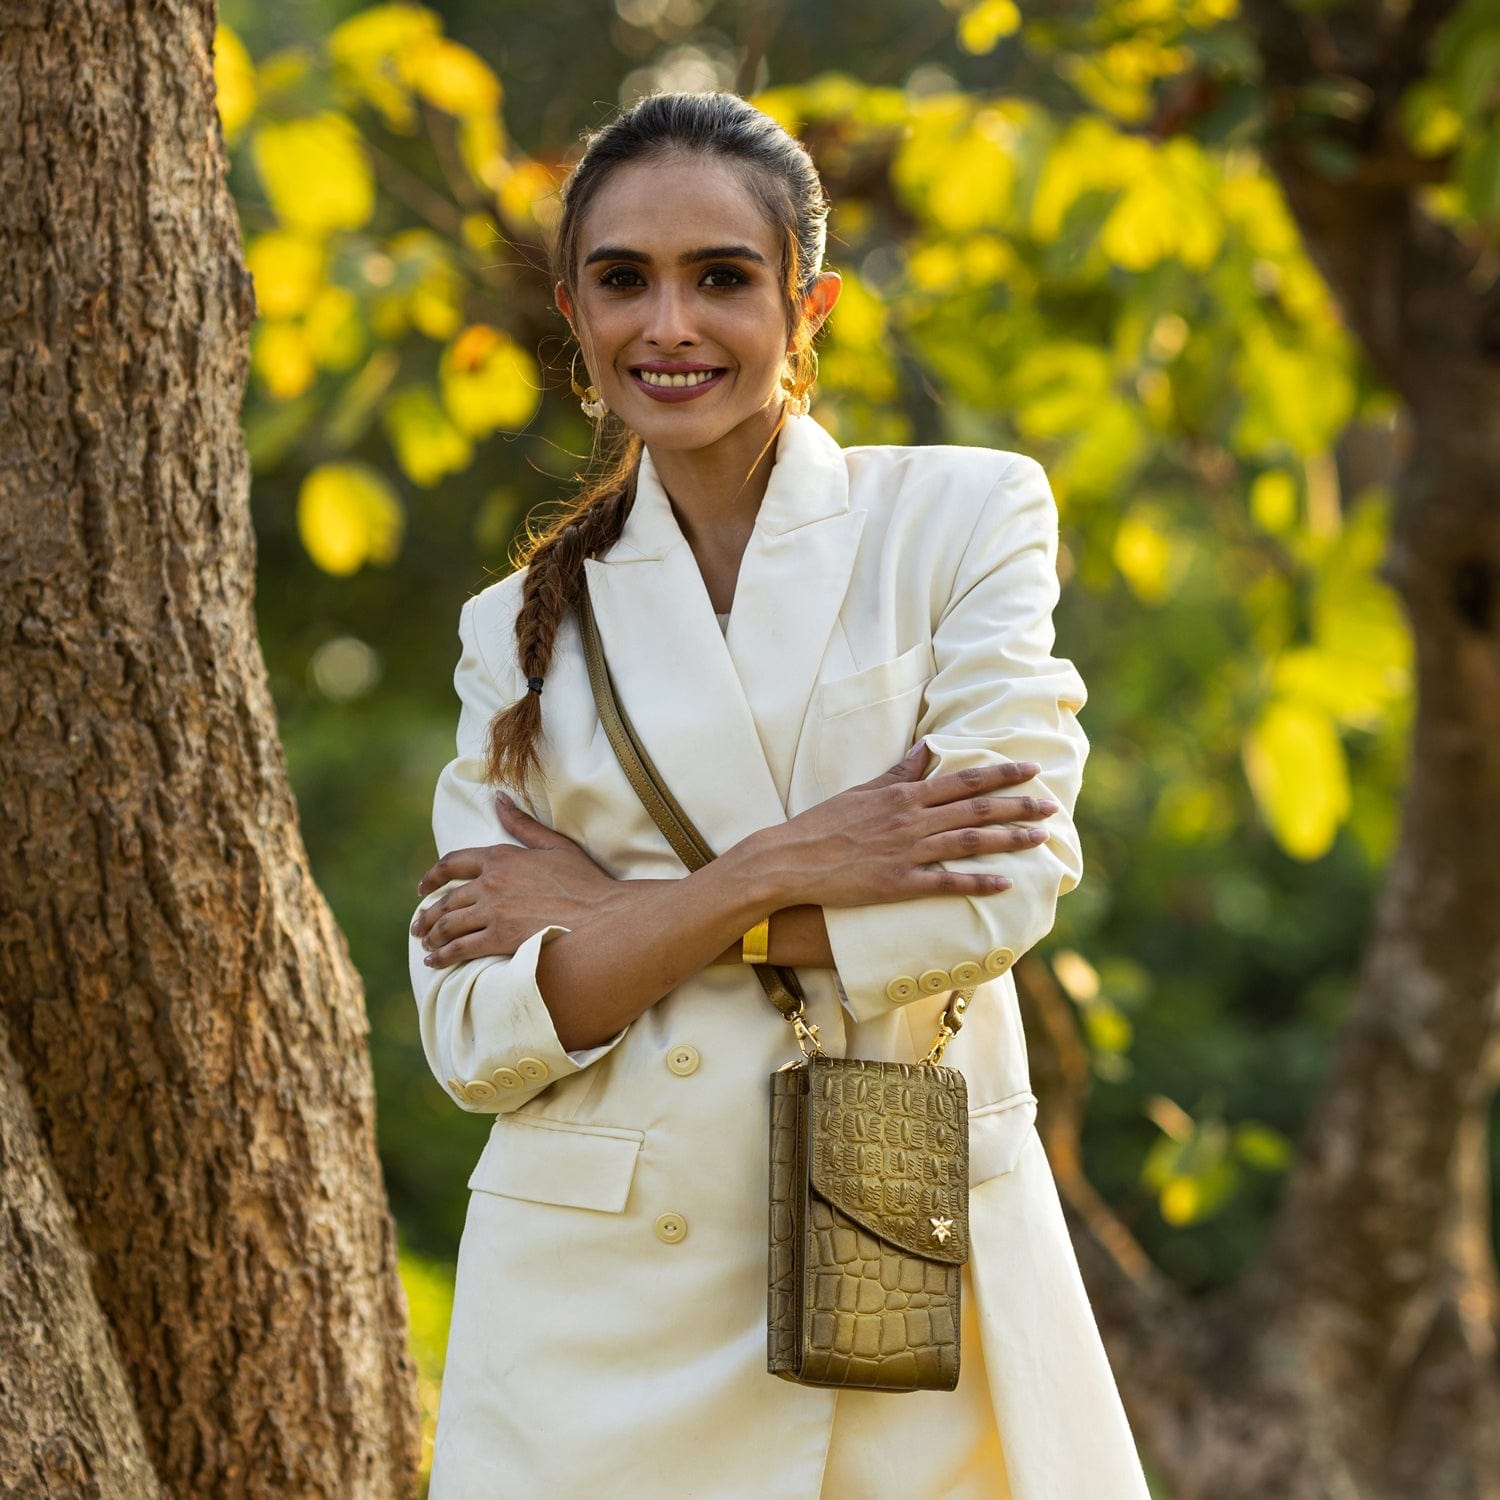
1030	767
1037	835
916	750
414	929
1046	807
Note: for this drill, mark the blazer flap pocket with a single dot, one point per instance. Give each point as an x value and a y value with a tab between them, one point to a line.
886	679
996	1134
557	1161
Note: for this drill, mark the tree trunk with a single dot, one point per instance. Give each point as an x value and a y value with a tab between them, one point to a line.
67	1423
1358	1359
181	1005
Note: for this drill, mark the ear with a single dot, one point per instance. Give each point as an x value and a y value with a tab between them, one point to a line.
564	301
819	298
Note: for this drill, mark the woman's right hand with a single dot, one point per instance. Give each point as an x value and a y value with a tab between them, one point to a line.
881	841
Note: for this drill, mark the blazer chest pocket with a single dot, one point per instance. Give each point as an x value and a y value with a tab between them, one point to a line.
865	722
556	1161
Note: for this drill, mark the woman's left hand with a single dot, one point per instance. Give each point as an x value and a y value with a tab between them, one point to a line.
509	893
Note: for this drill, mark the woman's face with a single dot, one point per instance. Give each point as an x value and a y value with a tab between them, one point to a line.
679	306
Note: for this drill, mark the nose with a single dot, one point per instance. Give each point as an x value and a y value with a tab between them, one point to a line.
668	320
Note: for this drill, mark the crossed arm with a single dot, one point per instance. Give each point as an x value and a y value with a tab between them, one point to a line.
626	943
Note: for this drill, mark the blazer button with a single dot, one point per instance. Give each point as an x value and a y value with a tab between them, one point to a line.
998	960
479	1091
933	980
670	1228
967	973
506	1078
532	1069
904	988
683	1060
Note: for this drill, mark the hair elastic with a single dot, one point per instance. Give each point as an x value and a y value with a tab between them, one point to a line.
534	683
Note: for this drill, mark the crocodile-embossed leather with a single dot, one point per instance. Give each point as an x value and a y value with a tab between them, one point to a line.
869	1223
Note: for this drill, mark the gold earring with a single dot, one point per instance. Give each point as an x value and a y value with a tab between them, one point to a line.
589	400
798	388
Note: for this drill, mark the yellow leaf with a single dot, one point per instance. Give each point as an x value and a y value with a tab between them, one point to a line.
1058	386
1180	1201
347	516
958	165
450	76
287	269
481	143
1294	761
1090	156
982	26
366	50
234	82
528	194
334	333
488	381
1152	559
426	443
282	360
1107	1029
1167	211
315	173
859	320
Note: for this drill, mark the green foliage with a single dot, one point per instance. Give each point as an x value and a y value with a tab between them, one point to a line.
1056	235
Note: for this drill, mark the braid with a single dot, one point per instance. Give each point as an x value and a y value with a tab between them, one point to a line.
553	559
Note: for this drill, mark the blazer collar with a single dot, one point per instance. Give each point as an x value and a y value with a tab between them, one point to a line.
722	716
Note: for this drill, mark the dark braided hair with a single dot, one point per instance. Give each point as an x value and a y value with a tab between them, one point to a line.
777	169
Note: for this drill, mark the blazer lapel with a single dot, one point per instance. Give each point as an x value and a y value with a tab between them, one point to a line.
720	717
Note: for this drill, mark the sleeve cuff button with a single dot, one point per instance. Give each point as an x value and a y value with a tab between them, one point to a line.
902	988
998	960
967	973
934	980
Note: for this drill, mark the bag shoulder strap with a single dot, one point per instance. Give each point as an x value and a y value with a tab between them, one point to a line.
780	984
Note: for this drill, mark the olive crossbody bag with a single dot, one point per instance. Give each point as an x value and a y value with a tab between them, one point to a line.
869	1165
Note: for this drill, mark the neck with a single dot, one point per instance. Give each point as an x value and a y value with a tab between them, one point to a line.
716	491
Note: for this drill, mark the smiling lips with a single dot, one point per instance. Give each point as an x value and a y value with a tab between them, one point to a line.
680	383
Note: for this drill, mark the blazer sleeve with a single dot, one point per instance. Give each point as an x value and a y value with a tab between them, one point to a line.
998	694
486	1031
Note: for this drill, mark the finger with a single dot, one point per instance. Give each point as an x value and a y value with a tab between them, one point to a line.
977	781
516	820
457	864
962	843
453	924
910	767
985	810
482	944
460	895
935	881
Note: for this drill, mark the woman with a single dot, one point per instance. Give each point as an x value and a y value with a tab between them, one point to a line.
609	1322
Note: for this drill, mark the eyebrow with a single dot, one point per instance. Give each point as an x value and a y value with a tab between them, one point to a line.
687	258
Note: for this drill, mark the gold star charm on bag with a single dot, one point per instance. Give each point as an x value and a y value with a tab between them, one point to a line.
941	1228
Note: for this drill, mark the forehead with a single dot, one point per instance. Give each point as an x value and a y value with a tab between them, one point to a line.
673	203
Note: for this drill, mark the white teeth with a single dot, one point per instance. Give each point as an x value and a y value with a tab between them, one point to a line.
658	377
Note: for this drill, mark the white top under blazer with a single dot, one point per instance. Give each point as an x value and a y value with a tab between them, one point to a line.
609	1321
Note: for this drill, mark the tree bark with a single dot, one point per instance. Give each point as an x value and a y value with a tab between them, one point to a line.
183	1009
67	1424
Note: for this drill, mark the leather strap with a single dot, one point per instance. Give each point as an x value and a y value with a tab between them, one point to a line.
781	985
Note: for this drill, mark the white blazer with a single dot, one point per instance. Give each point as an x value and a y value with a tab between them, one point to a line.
609	1322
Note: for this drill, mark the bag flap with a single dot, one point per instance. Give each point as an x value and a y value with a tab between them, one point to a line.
890	1149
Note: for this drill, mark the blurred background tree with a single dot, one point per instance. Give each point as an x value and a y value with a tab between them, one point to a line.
1081	231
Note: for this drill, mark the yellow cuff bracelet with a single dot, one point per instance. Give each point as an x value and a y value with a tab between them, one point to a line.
756	947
